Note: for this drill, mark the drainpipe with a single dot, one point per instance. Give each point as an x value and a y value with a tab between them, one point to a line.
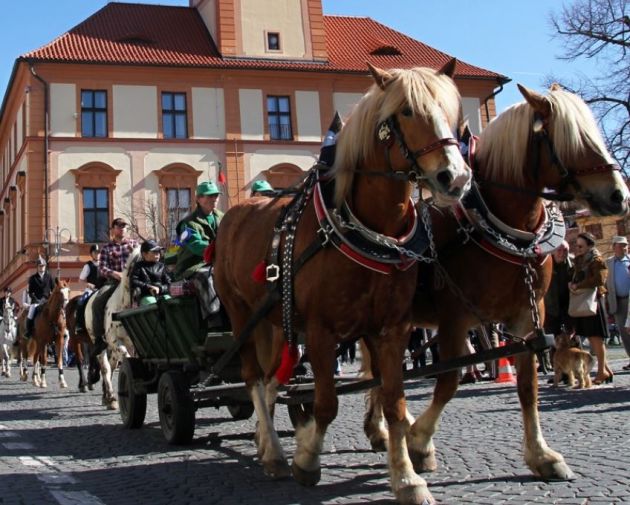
46	135
492	95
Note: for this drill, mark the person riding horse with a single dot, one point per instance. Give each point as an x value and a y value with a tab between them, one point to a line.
8	293
40	285
112	262
94	281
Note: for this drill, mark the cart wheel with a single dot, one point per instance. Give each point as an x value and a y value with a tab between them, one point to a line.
241	410
176	408
300	413
133	406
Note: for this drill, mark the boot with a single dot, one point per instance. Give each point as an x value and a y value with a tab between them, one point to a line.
30	323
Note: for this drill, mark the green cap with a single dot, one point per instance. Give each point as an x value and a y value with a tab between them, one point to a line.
207	188
259	186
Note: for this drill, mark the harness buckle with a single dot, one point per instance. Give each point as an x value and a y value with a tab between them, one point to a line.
323	235
272	273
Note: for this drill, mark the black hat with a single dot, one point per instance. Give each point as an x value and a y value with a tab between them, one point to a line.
150	246
94	247
119	221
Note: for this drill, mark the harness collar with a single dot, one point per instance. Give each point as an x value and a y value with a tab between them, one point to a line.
354	240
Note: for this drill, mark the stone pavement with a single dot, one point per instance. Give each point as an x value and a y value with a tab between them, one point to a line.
63	447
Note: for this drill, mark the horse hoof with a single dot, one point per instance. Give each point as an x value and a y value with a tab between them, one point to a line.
83	389
277	469
63	384
414	495
423	462
305	477
112	405
555	471
91	387
379	444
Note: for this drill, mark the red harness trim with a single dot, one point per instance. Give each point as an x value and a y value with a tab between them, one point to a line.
364	261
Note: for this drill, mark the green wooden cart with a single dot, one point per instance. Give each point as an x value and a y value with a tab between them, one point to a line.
174	357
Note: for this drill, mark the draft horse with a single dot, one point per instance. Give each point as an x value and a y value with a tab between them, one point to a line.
118	344
8	334
400	131
49	328
548	147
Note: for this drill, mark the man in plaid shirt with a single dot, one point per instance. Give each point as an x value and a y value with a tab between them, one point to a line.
112	262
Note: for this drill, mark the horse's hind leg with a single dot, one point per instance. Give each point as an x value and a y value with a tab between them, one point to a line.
109	400
542	460
60	349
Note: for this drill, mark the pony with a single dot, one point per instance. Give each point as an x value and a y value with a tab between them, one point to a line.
8	334
399	132
49	327
118	343
547	147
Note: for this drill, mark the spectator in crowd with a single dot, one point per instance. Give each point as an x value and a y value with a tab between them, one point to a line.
262	188
618	286
590	272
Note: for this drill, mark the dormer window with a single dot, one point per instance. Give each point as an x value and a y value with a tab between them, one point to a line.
273	41
385	50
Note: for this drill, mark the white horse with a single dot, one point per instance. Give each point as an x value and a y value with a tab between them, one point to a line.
118	343
8	334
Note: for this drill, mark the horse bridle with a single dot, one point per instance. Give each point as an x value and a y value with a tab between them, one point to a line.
388	133
567	178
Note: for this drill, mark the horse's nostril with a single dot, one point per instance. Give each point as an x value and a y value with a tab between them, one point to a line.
617	196
444	178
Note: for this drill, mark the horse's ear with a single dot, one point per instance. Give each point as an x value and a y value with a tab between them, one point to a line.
464	132
538	102
380	76
555	87
449	68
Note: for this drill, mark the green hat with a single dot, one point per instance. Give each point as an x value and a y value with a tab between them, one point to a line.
207	188
259	186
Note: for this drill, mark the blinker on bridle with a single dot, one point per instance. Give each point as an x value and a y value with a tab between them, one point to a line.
388	133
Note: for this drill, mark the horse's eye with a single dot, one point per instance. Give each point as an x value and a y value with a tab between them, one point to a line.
407	112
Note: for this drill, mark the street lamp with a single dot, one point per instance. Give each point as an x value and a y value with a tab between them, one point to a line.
57	234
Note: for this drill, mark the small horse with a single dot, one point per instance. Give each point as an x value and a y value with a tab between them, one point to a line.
546	147
8	334
49	327
400	131
119	345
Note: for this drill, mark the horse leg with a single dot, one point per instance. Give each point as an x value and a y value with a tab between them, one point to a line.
78	352
60	350
452	341
7	358
109	400
43	361
542	461
408	487
309	436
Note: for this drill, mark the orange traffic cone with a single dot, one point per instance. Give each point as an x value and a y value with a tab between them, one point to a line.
506	374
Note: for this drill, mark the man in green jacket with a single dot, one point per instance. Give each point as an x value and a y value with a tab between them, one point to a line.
197	230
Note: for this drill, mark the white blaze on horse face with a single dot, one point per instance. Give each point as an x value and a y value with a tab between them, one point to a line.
66	295
455	166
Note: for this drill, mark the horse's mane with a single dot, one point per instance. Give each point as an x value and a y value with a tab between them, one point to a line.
124	286
503	144
420	88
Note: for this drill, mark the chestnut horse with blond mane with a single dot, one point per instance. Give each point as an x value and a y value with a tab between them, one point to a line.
548	147
400	131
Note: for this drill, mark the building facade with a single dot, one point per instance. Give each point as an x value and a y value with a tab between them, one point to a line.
126	112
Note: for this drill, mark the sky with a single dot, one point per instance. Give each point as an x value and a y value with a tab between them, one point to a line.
513	38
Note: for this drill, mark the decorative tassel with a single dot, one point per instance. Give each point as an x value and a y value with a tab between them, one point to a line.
259	274
290	358
208	253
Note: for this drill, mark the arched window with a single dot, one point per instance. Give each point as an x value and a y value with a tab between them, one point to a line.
95	183
283	175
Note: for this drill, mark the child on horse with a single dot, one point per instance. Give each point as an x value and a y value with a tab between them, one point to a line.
94	281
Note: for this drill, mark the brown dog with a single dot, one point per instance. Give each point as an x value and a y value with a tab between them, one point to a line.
571	361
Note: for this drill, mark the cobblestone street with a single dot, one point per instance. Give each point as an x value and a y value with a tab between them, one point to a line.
63	447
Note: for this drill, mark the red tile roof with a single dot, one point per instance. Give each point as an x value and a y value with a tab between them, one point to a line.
139	34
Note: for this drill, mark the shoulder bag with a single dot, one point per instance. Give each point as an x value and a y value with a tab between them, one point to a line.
583	302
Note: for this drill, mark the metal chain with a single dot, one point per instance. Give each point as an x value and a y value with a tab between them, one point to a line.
533	306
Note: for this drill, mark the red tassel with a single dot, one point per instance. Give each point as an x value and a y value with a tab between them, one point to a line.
259	274
290	358
221	177
208	253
